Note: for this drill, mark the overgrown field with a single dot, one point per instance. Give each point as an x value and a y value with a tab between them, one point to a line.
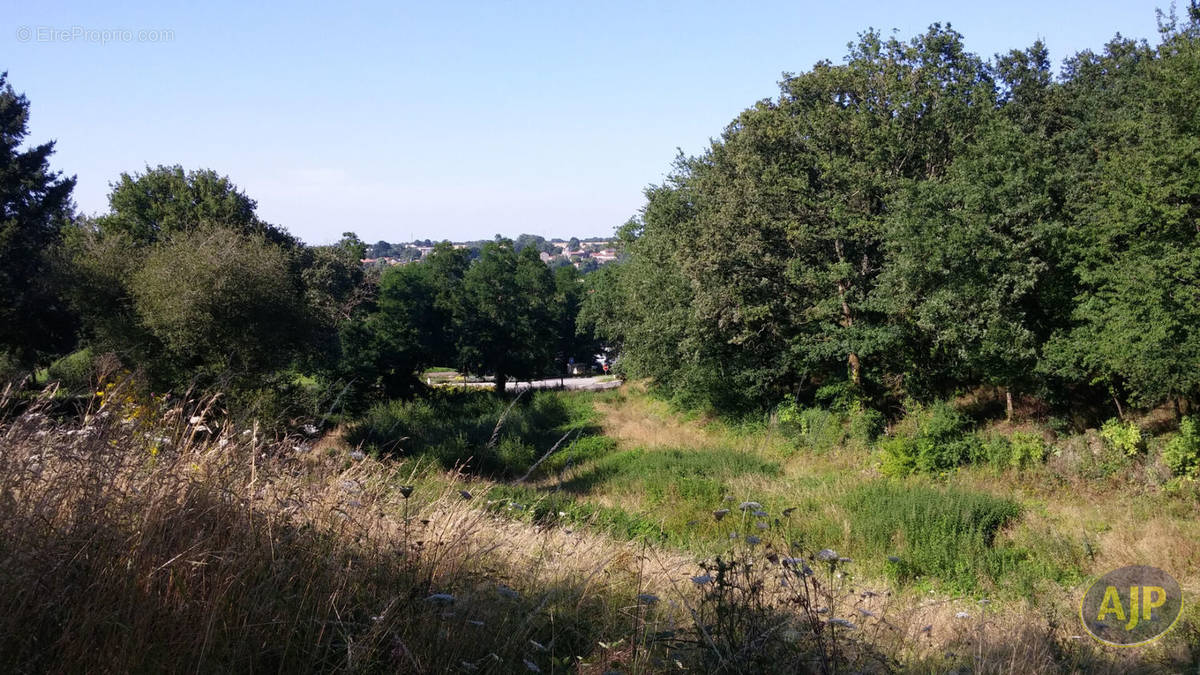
563	533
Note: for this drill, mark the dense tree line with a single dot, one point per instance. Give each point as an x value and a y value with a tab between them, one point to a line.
182	282
917	220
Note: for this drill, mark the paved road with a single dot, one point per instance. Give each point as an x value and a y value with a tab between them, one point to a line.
597	383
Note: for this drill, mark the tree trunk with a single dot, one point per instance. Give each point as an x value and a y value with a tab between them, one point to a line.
1120	412
501	382
847	319
1008	404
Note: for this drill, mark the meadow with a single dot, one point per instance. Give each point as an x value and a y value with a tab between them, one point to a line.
555	532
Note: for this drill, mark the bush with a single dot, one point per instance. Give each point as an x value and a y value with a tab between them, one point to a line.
1124	437
1021	450
947	534
1027	449
1182	453
74	371
930	440
865	424
816	428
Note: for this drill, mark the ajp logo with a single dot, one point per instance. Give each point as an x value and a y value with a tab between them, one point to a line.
1131	606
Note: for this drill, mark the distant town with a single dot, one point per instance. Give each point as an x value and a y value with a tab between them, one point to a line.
585	254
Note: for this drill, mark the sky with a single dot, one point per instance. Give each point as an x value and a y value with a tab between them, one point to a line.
450	120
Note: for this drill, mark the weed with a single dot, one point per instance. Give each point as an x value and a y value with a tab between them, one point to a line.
1126	437
930	440
941	533
1182	453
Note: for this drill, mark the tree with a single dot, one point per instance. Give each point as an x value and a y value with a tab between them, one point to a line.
969	272
35	204
783	224
574	341
1134	237
165	200
504	318
220	304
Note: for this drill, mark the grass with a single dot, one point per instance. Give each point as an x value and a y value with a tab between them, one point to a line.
475	430
217	551
929	532
132	540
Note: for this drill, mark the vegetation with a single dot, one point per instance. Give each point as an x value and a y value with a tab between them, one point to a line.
904	331
917	221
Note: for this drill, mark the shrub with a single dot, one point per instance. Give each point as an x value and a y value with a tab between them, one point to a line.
815	428
930	440
74	371
1124	437
947	534
474	426
1182	453
1026	449
865	424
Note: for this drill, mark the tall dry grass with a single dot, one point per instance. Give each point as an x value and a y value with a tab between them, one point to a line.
143	536
147	538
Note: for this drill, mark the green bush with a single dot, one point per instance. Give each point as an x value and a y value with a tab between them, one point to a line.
1124	437
1021	450
1182	453
815	428
930	440
947	534
1028	449
865	424
74	371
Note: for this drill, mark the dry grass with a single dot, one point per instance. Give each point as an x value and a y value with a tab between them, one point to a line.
641	421
130	544
148	538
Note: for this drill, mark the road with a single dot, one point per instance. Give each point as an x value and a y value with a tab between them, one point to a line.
597	383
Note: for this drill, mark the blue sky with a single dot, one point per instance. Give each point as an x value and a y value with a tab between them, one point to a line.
450	120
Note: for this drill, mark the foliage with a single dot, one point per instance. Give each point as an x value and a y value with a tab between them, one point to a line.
946	534
866	424
932	440
915	221
1123	436
75	371
1182	453
166	200
220	303
35	204
504	318
482	433
815	428
1020	450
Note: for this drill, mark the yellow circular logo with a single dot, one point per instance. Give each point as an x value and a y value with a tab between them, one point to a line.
1131	606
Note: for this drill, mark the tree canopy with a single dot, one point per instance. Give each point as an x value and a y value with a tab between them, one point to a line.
915	220
35	204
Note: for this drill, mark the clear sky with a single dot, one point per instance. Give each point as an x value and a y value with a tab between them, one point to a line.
449	119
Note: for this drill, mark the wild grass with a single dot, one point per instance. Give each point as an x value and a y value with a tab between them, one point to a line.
184	544
929	532
148	535
475	430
